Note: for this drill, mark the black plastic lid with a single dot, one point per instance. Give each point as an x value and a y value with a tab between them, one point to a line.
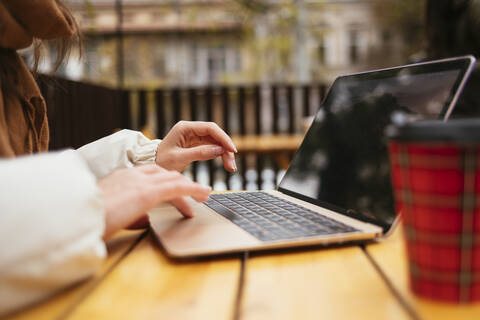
462	130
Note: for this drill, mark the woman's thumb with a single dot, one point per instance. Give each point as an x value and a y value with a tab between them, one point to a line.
205	152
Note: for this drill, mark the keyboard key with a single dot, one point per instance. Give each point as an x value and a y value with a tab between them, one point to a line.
269	218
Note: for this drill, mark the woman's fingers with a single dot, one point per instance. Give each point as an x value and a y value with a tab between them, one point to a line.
182	189
129	193
205	152
183	206
190	141
172	184
203	129
172	187
229	163
208	152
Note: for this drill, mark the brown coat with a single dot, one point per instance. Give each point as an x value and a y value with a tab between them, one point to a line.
23	118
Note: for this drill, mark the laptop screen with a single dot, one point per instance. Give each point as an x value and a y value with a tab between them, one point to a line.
343	163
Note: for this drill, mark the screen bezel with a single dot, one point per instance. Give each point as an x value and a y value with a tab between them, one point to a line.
462	64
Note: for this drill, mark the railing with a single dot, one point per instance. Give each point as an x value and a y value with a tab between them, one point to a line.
79	113
266	122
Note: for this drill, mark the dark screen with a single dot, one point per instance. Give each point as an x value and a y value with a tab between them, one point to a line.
343	161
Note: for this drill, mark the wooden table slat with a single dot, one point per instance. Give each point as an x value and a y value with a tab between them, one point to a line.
336	283
268	143
147	285
59	304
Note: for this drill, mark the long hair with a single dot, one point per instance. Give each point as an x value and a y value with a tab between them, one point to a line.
8	76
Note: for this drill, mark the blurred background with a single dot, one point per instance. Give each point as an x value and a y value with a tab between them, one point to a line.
187	42
259	68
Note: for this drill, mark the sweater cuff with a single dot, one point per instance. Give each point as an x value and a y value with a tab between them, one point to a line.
123	149
143	153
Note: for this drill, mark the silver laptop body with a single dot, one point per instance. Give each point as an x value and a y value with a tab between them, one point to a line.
313	181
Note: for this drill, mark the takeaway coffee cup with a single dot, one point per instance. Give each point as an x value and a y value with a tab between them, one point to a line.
436	184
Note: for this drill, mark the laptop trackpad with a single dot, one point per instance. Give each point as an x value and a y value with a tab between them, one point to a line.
206	233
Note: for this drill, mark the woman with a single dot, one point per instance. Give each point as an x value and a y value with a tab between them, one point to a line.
58	208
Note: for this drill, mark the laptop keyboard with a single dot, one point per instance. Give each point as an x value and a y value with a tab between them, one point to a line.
269	218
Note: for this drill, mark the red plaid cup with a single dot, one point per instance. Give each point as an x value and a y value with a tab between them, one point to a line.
435	169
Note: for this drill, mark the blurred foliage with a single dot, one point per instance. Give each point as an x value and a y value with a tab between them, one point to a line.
404	17
254	6
271	35
271	47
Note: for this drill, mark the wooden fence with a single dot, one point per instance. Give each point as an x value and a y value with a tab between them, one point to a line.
79	113
256	112
262	117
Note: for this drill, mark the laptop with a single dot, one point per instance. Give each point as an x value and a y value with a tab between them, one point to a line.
337	188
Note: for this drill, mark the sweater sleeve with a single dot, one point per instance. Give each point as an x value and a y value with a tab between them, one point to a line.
123	149
51	226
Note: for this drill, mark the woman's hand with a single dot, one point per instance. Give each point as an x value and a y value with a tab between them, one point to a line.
129	193
190	141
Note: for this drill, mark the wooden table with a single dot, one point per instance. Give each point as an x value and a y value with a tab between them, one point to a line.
351	282
268	143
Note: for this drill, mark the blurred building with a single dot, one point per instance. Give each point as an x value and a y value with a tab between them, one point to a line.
198	42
